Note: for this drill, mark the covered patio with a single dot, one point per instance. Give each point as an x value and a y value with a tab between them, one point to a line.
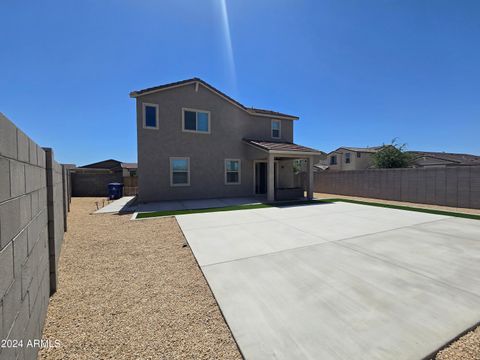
275	152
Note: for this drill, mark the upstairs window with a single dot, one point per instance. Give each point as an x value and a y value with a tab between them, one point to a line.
150	116
232	171
276	129
347	158
196	121
333	160
359	154
179	171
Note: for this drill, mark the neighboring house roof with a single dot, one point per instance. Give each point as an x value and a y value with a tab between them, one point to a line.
372	149
105	164
281	147
129	166
195	80
461	159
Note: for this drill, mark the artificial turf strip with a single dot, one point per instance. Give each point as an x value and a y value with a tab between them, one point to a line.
409	208
145	215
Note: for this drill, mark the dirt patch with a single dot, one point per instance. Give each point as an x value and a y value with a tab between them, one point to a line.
131	290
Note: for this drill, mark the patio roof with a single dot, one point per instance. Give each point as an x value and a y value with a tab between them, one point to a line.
282	147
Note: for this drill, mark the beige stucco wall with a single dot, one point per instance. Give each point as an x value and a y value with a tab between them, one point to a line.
361	163
207	152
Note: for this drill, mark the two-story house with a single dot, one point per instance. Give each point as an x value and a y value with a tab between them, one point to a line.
196	142
351	158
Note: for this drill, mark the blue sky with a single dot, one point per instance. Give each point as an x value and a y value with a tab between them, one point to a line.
358	73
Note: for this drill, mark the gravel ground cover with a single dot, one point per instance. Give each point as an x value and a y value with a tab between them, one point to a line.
130	290
465	348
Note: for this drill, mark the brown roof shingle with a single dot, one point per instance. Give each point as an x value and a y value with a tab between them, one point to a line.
462	159
280	146
253	111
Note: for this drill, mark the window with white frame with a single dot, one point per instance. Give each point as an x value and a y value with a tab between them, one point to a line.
232	171
179	171
196	121
150	116
276	129
333	160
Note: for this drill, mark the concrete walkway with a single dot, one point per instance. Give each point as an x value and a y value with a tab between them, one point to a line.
339	281
196	204
116	206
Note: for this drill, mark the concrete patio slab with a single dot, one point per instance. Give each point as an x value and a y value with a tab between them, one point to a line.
339	281
330	302
219	219
227	243
452	260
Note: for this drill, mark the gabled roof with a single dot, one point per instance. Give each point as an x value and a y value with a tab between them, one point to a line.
281	147
372	149
463	159
104	164
195	80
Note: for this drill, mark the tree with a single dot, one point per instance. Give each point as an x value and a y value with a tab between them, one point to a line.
392	156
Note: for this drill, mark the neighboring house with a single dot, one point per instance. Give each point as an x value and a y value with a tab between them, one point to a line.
351	158
442	159
196	142
129	169
93	179
318	163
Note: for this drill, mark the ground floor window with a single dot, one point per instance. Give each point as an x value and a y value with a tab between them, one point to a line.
179	171
232	171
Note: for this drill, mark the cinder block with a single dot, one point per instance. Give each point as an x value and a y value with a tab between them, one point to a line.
8	145
6	268
17	178
4	179
34	177
28	270
475	178
25	210
34	202
42	198
20	251
33	153
17	330
9	221
12	302
22	146
41	157
451	187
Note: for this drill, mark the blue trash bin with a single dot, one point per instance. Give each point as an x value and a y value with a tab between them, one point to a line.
115	191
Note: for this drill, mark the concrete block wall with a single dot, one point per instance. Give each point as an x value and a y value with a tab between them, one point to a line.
448	186
93	184
24	240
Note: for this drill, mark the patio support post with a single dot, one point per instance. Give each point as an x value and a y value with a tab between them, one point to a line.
271	178
310	178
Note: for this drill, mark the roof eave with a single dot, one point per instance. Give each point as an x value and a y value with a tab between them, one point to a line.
282	152
138	93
